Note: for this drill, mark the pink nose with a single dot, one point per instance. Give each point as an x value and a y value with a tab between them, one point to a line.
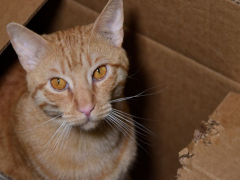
86	110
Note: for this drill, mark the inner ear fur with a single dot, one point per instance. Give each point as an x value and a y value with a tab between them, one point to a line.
29	46
109	23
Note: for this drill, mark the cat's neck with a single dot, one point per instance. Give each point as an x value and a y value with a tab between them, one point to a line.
47	144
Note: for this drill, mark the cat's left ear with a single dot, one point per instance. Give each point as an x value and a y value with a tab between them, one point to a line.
109	23
29	46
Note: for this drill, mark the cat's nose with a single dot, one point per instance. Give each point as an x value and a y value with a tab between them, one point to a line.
86	110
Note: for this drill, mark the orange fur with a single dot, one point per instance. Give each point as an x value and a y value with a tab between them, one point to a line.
71	145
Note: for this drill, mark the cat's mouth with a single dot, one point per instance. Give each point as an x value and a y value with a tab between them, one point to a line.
85	123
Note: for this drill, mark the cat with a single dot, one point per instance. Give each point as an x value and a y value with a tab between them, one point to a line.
68	123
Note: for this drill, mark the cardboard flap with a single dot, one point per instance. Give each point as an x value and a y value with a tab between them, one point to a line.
16	11
215	148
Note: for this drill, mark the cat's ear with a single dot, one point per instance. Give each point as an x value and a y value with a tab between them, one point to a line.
109	23
29	46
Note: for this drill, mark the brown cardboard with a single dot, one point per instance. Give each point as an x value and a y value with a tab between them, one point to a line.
172	51
214	152
19	11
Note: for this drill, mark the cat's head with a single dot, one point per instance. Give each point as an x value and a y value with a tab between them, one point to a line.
74	73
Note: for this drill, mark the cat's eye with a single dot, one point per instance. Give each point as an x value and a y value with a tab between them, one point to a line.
100	72
58	83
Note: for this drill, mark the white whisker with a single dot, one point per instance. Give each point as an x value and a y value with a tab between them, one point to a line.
138	125
128	126
59	138
108	121
65	137
47	143
119	125
137	70
121	112
133	131
140	94
40	124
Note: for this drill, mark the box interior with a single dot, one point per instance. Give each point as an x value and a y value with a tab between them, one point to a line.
186	48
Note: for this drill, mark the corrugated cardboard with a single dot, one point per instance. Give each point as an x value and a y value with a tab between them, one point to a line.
214	152
169	42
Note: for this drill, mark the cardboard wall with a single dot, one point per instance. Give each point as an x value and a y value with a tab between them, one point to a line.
178	42
24	10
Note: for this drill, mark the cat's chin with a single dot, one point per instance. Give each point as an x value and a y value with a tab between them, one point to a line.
90	125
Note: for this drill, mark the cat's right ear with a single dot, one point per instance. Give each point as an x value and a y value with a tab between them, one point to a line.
29	46
109	23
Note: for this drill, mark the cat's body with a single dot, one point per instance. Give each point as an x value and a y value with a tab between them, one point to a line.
97	154
67	130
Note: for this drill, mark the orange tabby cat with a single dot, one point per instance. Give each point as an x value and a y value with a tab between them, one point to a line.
64	125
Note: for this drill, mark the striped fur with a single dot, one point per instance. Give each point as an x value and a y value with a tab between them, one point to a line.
56	140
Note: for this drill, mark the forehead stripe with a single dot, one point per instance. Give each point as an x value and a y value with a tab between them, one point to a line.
119	66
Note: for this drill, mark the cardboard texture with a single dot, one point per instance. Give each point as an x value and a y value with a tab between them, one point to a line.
181	45
214	152
16	11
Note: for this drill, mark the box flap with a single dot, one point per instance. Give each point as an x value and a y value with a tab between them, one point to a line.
215	148
16	11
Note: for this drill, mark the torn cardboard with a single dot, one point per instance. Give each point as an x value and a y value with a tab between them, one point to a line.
213	153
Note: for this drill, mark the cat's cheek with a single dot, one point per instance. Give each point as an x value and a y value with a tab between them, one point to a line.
117	91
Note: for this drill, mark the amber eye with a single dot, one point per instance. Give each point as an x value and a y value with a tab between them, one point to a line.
58	83
100	72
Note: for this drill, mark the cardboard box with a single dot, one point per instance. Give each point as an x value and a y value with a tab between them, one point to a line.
192	45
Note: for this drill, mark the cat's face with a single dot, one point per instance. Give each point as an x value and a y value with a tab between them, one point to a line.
73	74
79	79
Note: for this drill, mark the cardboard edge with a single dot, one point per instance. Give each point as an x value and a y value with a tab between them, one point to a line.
208	130
27	21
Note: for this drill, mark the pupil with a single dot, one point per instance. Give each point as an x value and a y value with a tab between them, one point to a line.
98	70
58	81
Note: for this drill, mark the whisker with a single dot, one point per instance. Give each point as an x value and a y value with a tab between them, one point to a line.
128	126
47	143
118	125
141	94
138	125
125	126
58	140
65	137
131	115
133	79
58	134
40	125
109	123
137	70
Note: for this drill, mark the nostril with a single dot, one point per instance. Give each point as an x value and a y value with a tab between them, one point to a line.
86	110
